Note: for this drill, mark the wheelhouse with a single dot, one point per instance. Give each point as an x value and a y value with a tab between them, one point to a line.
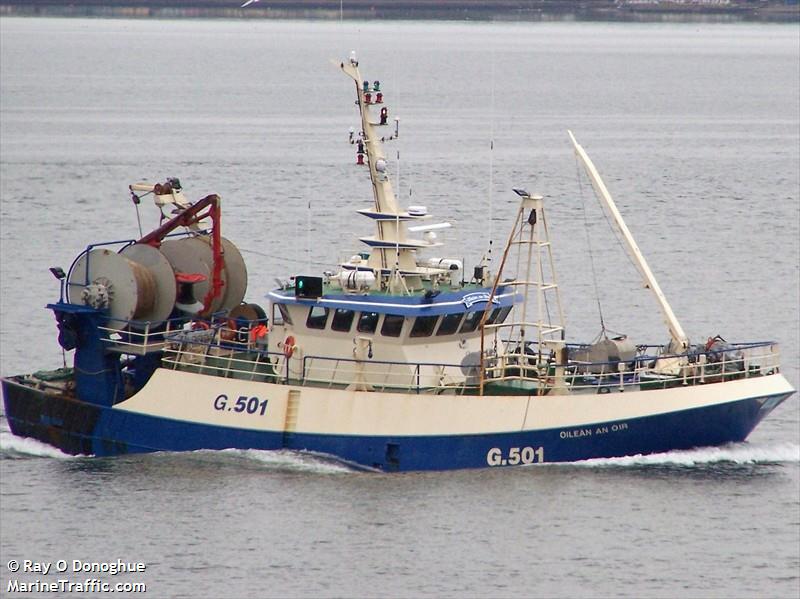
383	317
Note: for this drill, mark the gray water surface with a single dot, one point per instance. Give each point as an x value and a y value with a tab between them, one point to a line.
696	130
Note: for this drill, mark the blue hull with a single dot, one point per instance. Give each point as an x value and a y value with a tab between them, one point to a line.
77	427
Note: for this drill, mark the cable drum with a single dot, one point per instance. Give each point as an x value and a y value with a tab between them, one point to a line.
237	275
156	288
195	255
137	284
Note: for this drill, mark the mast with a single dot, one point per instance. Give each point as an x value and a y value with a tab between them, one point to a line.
530	239
679	338
384	195
393	252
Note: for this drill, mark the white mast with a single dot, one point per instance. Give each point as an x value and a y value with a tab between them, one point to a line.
675	329
393	254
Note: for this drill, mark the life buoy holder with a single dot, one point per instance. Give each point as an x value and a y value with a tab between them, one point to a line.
288	347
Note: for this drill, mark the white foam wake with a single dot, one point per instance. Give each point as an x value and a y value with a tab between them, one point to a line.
738	453
13	446
294	461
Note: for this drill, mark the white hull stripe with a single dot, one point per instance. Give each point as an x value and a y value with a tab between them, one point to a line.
191	397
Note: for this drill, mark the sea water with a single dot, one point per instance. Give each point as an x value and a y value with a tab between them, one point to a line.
696	131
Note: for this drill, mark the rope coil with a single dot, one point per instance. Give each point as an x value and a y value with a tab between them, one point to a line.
145	288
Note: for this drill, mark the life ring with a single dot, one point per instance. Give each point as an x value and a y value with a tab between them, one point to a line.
288	346
199	325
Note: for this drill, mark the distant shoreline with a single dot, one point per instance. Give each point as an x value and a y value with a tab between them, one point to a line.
709	11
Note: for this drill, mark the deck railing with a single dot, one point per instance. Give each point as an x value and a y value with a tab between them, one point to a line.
140	337
227	349
651	367
379	375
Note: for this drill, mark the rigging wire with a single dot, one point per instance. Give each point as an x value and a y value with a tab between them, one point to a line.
616	233
547	307
589	245
619	241
612	227
283	259
308	237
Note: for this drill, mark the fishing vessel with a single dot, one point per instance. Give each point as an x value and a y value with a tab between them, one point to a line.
399	358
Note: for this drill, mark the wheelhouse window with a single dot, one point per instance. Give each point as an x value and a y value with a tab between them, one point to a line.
342	320
392	325
498	315
317	317
471	321
282	316
367	322
423	326
450	323
504	312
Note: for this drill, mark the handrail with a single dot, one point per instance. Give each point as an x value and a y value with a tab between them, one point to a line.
354	360
397	375
224	351
736	360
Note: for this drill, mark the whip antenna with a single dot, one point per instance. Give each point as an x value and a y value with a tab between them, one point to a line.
491	165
